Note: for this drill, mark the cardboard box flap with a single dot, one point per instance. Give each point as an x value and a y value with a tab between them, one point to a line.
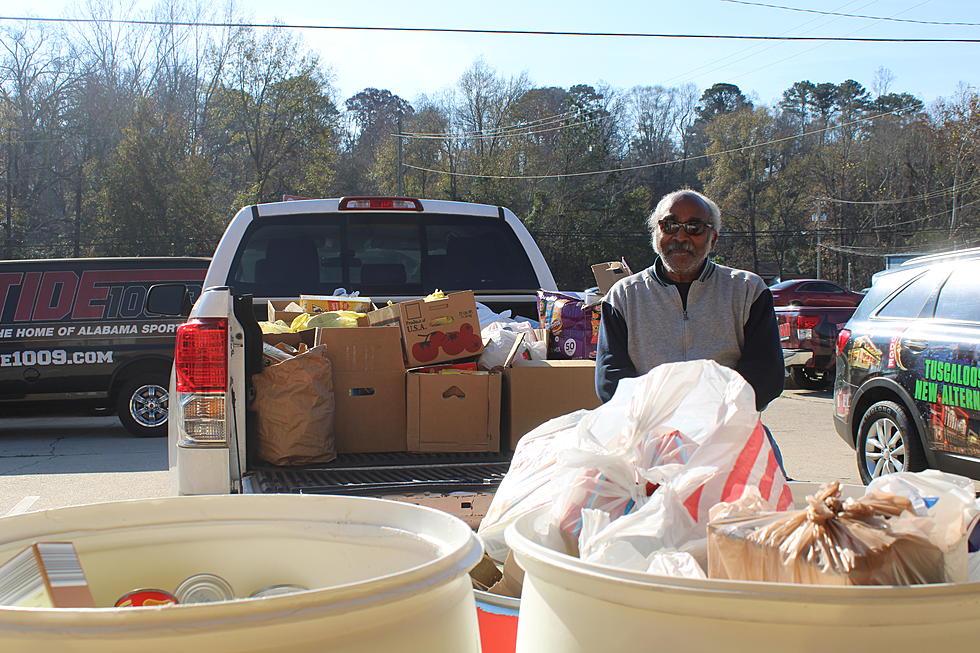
515	348
433	331
362	349
277	310
607	274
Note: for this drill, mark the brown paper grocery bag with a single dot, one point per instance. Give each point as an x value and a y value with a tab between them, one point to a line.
294	407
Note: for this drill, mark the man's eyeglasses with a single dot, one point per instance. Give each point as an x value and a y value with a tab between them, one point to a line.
693	228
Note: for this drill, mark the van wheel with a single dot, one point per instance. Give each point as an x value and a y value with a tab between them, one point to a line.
143	405
887	442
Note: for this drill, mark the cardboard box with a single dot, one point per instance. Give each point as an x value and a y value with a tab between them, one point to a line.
471	507
436	331
511	582
453	412
369	388
307	337
322	303
277	310
536	391
485	574
606	274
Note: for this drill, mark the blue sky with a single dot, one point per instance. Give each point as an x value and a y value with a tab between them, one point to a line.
412	63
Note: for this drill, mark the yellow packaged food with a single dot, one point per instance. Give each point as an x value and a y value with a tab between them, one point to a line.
274	327
299	322
334	319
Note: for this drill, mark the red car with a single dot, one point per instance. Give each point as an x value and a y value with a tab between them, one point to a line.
812	292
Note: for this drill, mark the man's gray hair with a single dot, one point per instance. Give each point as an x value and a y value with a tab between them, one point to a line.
668	200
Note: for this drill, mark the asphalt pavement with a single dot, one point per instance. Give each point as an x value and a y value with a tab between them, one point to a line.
54	461
50	462
801	421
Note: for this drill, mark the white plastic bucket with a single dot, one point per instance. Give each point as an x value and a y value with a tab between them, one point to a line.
384	576
571	606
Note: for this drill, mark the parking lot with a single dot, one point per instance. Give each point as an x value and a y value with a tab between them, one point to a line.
49	462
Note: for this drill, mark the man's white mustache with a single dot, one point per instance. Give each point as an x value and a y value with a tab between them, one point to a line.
680	248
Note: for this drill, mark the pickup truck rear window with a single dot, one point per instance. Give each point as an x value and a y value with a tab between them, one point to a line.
379	254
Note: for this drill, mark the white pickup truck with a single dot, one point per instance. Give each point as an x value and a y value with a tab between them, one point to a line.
393	248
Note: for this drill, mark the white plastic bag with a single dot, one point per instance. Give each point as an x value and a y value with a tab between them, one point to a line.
598	482
529	483
714	407
500	336
950	500
535	476
661	524
711	406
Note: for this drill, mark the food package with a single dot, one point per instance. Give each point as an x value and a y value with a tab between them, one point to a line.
276	327
294	410
875	540
573	328
325	303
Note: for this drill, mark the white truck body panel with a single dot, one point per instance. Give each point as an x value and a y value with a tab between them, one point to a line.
218	468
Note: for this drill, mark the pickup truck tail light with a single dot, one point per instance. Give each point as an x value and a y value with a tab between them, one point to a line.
807	321
804	326
201	366
201	355
842	338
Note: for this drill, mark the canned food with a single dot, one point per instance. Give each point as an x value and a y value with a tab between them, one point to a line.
277	590
145	597
204	588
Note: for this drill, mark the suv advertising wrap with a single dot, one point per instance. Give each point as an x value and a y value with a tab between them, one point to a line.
907	394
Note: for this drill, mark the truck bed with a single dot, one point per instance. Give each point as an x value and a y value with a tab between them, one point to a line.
377	474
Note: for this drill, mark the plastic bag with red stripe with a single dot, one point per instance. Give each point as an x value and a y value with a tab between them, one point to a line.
709	446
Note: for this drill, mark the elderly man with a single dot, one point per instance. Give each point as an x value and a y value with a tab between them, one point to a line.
685	307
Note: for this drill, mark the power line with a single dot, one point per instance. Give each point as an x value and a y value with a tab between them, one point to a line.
537	122
462	30
837	13
819	45
659	163
878	251
478	135
923	218
756	49
902	200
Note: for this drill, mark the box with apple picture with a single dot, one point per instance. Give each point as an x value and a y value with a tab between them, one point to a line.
434	330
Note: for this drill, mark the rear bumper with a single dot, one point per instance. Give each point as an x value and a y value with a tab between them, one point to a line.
843	431
201	470
793	357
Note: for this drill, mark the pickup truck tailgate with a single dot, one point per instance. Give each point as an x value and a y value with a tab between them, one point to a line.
385	473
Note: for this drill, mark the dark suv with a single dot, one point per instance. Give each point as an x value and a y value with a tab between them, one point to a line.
907	393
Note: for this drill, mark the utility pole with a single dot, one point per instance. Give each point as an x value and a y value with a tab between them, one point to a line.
400	184
818	217
8	222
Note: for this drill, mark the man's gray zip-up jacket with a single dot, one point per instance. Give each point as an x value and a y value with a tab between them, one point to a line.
728	318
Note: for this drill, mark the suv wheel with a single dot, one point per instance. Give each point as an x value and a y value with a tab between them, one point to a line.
887	442
142	405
